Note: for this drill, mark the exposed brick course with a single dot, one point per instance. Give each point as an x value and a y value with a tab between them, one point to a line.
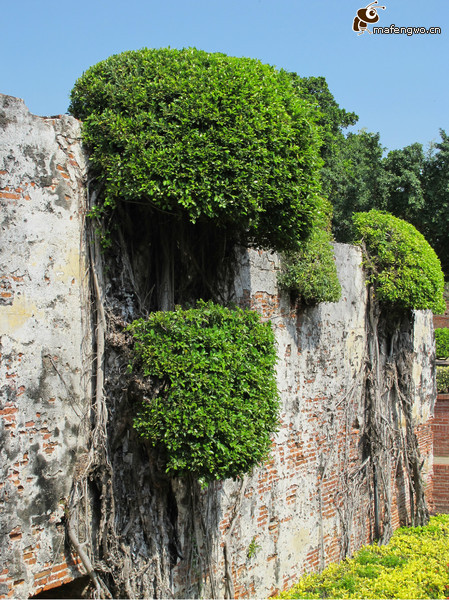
440	426
295	506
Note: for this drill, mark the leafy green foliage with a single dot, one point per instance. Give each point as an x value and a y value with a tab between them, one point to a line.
253	548
404	269
332	119
204	136
355	180
311	274
442	342
443	380
360	179
404	190
409	183
415	564
218	401
435	214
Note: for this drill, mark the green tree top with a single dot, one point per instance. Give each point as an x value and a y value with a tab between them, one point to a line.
404	170
435	214
204	136
332	119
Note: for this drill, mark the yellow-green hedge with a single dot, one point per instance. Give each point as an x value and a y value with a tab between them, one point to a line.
415	564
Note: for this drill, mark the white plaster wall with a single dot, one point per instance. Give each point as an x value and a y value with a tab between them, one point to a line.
44	336
321	353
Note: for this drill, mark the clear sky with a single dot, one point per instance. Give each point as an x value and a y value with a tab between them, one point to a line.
397	84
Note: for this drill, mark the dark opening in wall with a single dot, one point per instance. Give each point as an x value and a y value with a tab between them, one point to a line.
75	589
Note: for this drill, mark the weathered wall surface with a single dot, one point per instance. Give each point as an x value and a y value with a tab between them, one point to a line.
311	504
44	392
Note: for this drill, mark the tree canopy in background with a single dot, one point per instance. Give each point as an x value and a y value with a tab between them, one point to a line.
355	180
435	213
357	174
332	119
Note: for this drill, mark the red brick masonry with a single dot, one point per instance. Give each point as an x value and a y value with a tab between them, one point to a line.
440	428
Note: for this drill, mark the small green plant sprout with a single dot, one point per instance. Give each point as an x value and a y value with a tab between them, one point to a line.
403	268
253	548
217	402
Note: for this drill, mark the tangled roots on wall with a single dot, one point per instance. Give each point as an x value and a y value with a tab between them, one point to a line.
134	532
390	438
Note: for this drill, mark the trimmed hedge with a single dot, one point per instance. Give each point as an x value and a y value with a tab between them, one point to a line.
415	564
205	136
442	375
402	266
218	403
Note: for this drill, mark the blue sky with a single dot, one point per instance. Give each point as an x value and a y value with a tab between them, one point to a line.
397	84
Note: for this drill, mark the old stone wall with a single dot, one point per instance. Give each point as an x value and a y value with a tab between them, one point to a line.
312	503
45	344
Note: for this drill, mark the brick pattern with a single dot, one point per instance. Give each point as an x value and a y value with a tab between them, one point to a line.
440	427
49	574
441	321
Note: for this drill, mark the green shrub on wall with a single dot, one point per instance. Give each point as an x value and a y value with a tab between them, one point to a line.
402	266
204	136
218	402
442	342
310	273
443	380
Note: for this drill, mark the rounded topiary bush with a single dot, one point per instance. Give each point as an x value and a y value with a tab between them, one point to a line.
217	405
204	136
402	266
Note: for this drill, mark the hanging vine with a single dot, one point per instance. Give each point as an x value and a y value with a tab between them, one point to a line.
395	459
